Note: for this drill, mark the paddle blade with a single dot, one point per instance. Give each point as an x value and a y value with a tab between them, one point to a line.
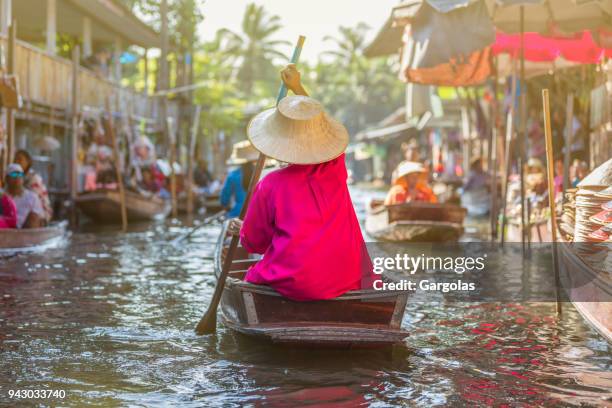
208	323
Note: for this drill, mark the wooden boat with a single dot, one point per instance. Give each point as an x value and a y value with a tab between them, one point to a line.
105	206
582	281
415	222
30	239
357	319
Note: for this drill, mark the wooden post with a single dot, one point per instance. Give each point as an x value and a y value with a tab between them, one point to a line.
6	16
551	189
163	62
117	159
10	113
523	132
51	32
507	153
493	158
569	136
87	49
116	59
190	159
172	142
75	133
146	71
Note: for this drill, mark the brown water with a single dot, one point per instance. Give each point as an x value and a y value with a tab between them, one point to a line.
109	318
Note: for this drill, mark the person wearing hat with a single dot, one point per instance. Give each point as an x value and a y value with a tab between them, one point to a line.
33	181
30	213
234	190
409	185
301	217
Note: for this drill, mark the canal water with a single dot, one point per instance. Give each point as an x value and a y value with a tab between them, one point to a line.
109	319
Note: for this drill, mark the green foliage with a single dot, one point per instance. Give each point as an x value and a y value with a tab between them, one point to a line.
240	70
356	90
254	51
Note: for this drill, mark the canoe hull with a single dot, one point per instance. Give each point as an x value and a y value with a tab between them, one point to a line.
358	319
104	207
582	282
24	239
415	222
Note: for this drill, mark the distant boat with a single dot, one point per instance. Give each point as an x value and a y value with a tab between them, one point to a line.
357	319
415	222
104	206
16	240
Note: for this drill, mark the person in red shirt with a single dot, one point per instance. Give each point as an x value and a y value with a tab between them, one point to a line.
410	184
301	217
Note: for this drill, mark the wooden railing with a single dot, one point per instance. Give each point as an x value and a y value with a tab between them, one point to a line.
46	79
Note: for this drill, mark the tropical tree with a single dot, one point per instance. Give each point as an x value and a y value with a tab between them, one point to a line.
349	45
357	90
254	50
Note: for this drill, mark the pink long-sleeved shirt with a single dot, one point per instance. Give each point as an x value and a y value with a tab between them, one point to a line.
302	219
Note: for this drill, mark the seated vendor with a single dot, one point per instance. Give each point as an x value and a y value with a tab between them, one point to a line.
410	184
233	193
30	213
301	217
33	181
148	181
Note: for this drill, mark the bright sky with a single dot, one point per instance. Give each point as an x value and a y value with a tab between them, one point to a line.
313	18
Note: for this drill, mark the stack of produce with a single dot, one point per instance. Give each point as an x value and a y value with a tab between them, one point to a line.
567	222
589	203
603	218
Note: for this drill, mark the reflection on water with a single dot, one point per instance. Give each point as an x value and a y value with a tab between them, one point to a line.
110	317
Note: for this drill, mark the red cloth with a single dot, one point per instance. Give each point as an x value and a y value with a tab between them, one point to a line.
302	219
8	219
580	47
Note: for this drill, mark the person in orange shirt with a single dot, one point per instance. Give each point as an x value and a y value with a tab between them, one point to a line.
410	184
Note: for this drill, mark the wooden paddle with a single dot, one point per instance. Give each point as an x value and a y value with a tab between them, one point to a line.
208	323
551	190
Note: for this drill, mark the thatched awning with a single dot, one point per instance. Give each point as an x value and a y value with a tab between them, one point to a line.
110	19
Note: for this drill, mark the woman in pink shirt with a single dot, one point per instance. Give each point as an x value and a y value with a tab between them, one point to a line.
301	217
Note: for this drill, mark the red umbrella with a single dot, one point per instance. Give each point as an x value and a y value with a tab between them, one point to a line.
580	47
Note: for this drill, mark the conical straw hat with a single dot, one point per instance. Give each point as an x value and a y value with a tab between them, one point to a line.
407	167
298	131
242	152
600	177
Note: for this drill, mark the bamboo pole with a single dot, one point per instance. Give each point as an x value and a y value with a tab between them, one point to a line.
190	158
116	158
208	322
551	189
522	139
569	130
